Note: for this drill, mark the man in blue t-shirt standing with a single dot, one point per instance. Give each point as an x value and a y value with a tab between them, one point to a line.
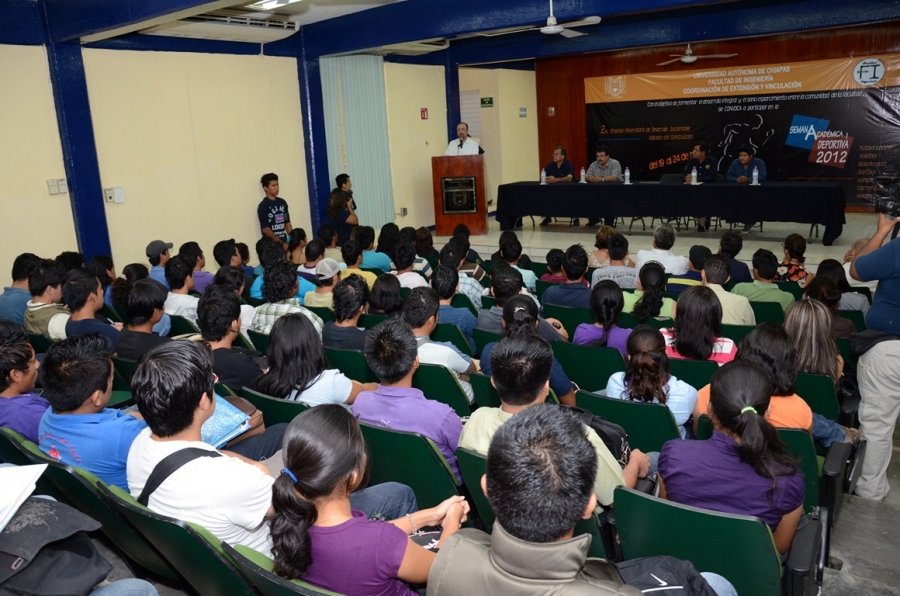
879	366
274	218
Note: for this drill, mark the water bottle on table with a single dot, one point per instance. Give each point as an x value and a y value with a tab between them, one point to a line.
627	176
755	176
693	175
583	180
543	176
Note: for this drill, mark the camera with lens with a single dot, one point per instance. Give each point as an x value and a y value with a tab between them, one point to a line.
887	193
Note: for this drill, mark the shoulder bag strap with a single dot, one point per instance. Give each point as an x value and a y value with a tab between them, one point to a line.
168	466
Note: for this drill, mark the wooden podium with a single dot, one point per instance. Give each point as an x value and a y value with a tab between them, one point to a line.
458	183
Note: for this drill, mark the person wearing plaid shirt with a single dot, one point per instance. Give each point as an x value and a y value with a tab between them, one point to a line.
279	287
453	256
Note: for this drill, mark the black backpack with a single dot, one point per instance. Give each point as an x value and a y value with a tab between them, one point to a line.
614	436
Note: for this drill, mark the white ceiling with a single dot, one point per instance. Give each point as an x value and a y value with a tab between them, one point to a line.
306	12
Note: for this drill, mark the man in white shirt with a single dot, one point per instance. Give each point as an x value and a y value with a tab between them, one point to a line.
736	309
180	275
463	144
420	310
663	241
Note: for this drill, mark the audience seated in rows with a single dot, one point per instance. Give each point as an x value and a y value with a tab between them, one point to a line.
521	368
453	256
44	315
144	306
270	253
416	237
420	311
351	253
694	275
319	534
524	260
647	300
511	253
280	288
327	274
763	287
385	298
506	282
697	332
392	354
729	247
193	252
350	296
445	282
20	408
180	301
555	273
404	255
233	278
15	297
574	292
520	318
158	254
461	234
470	265
424	242
647	378
83	296
298	371
219	317
620	269
663	241
78	429
607	302
600	257
736	309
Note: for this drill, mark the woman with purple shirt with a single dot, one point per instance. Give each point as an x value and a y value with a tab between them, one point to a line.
318	538
607	302
744	468
20	409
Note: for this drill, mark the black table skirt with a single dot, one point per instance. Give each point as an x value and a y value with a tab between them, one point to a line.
802	202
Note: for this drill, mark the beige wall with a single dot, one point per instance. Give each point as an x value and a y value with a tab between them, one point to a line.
510	142
187	137
30	153
413	141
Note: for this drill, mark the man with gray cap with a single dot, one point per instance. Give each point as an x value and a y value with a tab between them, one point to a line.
158	254
696	259
328	273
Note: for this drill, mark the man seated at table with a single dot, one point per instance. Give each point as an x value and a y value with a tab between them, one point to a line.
741	171
558	170
707	169
605	169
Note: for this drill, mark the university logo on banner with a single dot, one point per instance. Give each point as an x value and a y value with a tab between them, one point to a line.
804	131
615	86
869	72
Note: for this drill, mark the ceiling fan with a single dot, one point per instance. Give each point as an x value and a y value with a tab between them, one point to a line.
552	27
689	58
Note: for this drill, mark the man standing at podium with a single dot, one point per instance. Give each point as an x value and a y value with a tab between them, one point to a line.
463	144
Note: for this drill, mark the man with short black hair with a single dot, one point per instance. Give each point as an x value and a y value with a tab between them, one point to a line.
345	185
559	169
420	310
272	212
79	430
763	288
158	254
194	253
693	276
445	282
511	252
15	297
605	169
392	353
453	256
736	309
371	259
70	260
573	292
506	282
404	258
280	287
313	252
329	238
663	241
180	275
43	313
350	298
269	254
618	269
729	246
351	253
20	408
219	318
234	279
83	295
144	308
707	170
226	254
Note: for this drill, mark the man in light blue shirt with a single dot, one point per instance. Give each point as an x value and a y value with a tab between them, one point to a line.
14	299
158	254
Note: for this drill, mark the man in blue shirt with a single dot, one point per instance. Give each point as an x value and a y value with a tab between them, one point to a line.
707	169
558	170
371	258
78	429
741	171
445	282
15	297
879	366
573	293
272	212
158	254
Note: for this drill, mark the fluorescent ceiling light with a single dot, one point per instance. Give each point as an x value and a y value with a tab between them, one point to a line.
270	4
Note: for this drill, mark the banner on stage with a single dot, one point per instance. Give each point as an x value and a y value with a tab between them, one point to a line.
833	119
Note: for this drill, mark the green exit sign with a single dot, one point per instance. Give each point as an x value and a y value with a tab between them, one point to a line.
487	102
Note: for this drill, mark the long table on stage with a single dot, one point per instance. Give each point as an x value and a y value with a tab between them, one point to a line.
802	202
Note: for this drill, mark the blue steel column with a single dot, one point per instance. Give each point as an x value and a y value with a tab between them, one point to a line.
76	132
314	140
451	84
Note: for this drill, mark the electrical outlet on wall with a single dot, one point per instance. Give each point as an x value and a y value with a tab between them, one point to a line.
403	211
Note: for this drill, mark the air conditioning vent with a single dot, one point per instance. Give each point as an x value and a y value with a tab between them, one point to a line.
230	26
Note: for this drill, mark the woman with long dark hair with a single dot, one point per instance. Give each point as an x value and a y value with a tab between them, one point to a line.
341	215
792	268
387	239
520	317
385	297
850	300
318	537
297	367
647	378
744	468
296	246
607	302
647	301
697	332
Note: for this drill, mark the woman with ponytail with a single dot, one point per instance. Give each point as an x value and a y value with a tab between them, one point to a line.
744	468
607	302
647	379
647	301
317	537
697	332
520	317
